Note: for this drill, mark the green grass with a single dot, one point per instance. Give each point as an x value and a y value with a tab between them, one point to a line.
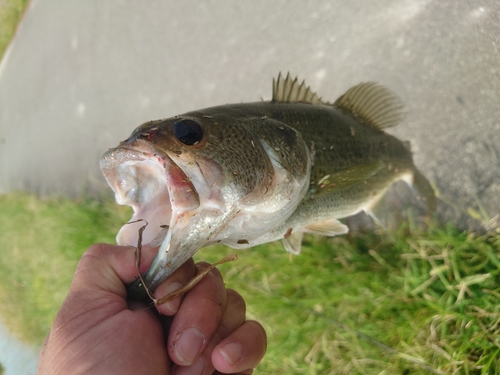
431	297
409	302
375	303
42	241
10	14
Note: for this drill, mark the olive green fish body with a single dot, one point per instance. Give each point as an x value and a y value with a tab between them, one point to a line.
352	163
244	174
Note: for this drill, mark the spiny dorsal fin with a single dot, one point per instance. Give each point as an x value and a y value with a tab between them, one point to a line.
375	104
288	90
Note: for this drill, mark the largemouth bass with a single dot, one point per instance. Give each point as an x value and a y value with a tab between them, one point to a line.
250	173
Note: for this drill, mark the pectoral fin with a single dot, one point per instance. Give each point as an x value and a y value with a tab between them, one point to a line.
160	237
346	178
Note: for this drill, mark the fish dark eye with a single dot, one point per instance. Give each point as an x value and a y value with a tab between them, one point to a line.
188	132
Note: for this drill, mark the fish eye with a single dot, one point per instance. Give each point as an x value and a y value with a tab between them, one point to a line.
188	132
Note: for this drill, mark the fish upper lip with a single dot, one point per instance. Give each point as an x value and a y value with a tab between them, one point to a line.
124	152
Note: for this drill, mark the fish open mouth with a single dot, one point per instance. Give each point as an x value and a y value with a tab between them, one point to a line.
157	189
152	184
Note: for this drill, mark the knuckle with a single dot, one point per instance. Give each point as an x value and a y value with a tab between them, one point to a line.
235	299
213	300
201	266
95	253
96	250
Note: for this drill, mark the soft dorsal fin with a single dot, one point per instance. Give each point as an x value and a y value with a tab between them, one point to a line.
375	104
288	90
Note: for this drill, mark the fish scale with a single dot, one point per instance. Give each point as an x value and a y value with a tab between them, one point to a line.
249	173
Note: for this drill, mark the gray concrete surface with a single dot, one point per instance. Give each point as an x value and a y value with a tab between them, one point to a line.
81	75
16	357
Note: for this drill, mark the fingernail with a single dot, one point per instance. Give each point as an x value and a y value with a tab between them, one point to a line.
170	307
188	345
232	352
196	368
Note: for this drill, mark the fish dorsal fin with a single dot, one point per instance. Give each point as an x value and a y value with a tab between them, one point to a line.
288	90
375	104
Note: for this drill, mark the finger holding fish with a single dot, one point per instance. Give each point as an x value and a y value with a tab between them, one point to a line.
222	340
174	283
191	331
174	290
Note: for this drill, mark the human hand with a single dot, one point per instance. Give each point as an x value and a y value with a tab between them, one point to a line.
97	331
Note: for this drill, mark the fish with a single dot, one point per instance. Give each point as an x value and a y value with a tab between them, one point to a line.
251	173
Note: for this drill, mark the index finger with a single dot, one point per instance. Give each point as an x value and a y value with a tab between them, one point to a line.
191	330
109	267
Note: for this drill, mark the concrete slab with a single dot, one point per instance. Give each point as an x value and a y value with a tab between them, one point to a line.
81	75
